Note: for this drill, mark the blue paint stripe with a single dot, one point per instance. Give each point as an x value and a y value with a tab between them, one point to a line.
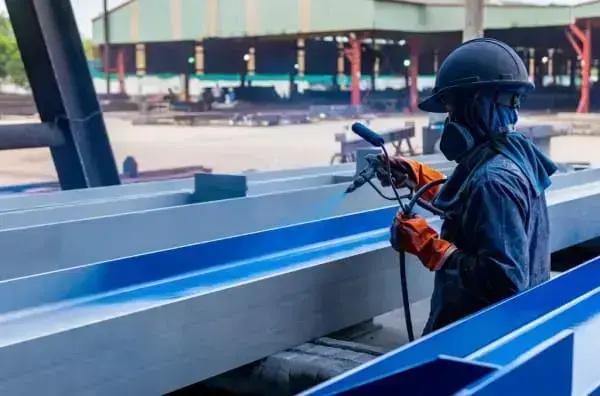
121	302
152	267
218	260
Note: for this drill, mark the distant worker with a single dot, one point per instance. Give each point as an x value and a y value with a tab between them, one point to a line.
494	240
171	97
217	93
229	96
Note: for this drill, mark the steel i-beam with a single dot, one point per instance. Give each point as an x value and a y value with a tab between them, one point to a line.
210	307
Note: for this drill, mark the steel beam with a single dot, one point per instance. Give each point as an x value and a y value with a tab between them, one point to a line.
49	247
259	179
63	91
82	210
209	307
111	206
22	136
39	247
506	333
583	49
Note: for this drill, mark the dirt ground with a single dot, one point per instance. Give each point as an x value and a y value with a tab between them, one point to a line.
231	149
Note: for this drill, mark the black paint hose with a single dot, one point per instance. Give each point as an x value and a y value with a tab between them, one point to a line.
415	199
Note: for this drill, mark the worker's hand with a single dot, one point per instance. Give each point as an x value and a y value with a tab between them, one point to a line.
401	174
409	173
413	235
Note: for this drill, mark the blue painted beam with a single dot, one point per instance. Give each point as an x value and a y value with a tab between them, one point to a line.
305	270
267	290
441	376
545	369
150	230
67	244
464	338
214	289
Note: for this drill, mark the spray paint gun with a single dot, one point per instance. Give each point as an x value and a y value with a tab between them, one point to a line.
376	165
365	176
380	166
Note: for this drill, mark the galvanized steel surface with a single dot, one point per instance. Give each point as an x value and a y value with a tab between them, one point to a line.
155	322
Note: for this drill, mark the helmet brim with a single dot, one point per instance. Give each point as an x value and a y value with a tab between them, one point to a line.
434	104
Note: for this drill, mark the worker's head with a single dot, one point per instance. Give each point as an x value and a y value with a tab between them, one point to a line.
479	85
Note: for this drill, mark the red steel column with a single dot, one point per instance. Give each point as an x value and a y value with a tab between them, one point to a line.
584	52
121	70
414	74
353	55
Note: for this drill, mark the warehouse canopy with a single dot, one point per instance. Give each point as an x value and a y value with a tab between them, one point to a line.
184	20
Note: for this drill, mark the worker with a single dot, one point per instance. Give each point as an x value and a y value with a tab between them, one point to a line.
494	240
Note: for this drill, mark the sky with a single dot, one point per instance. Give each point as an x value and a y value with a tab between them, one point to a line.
85	10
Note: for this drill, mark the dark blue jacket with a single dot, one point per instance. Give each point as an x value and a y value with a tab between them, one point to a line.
498	220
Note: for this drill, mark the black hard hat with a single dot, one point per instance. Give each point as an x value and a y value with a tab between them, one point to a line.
478	63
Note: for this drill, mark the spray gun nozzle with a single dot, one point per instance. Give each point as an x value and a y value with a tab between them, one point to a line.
361	179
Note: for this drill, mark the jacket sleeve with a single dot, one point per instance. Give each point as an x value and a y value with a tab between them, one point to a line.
495	218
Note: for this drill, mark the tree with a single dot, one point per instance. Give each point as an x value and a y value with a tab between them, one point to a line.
11	64
88	47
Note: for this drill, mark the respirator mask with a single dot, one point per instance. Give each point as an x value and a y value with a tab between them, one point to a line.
456	140
474	124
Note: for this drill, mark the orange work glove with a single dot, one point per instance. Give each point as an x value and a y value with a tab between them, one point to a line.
415	236
418	173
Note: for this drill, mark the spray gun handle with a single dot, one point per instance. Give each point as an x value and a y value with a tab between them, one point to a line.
400	176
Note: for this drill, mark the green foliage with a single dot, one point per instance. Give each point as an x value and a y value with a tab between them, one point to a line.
88	47
11	65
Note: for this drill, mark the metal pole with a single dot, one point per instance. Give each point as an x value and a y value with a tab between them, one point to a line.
106	46
353	55
414	45
583	49
473	19
63	90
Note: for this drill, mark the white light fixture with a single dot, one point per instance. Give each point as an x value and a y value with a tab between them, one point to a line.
406	62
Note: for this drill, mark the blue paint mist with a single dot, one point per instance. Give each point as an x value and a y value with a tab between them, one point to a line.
327	207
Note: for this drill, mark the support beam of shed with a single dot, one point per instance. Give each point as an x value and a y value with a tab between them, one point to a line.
353	55
414	44
473	19
62	87
581	41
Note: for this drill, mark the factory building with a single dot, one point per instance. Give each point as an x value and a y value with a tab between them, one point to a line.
304	45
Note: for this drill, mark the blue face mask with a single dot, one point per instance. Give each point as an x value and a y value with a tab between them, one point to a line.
456	140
